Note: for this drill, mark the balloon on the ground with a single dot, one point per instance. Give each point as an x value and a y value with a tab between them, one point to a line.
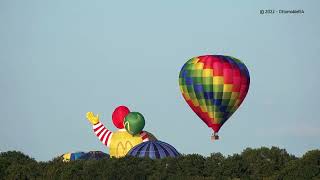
95	155
134	123
118	116
154	150
72	156
214	86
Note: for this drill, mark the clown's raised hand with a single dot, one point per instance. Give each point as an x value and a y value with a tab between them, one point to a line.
92	118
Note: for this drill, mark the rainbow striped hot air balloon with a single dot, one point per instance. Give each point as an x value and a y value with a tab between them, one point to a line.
214	86
154	150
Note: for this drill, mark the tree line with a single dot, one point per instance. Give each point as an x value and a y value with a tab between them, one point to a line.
259	163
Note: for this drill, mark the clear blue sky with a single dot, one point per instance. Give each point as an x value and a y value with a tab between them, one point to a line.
60	59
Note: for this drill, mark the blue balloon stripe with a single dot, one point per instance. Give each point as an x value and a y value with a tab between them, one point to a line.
137	150
168	150
160	150
165	150
72	157
172	148
133	152
198	88
146	153
184	74
208	95
76	155
176	153
142	151
152	151
156	153
188	81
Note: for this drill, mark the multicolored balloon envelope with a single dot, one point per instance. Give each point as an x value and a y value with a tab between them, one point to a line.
84	156
72	156
153	150
214	86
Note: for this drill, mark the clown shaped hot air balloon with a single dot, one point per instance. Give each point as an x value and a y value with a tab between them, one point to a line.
214	86
121	141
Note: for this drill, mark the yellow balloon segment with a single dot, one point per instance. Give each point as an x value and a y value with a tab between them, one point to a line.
66	157
121	142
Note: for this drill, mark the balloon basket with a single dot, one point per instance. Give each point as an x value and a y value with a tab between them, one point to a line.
214	137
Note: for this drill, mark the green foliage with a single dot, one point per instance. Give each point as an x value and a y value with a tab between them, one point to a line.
16	165
307	167
260	163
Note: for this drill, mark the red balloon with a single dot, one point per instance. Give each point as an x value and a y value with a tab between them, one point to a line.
118	116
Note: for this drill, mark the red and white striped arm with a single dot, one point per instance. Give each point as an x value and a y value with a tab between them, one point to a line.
102	133
144	136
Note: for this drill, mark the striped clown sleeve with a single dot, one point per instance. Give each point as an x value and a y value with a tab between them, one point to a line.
144	136
102	133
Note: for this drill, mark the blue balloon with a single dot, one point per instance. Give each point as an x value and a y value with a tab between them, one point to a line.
153	150
76	155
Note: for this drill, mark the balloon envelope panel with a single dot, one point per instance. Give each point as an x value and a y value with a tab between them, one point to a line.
134	123
214	86
154	150
118	116
122	142
96	155
72	156
77	155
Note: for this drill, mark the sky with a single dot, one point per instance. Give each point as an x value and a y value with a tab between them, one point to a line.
61	59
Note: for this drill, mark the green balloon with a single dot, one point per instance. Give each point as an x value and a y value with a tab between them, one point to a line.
134	123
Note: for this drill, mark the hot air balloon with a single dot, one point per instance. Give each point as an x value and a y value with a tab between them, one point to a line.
72	156
91	155
95	155
121	141
153	150
214	86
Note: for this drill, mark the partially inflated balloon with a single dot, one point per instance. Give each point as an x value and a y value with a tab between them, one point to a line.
214	86
134	123
72	156
118	116
95	155
153	150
